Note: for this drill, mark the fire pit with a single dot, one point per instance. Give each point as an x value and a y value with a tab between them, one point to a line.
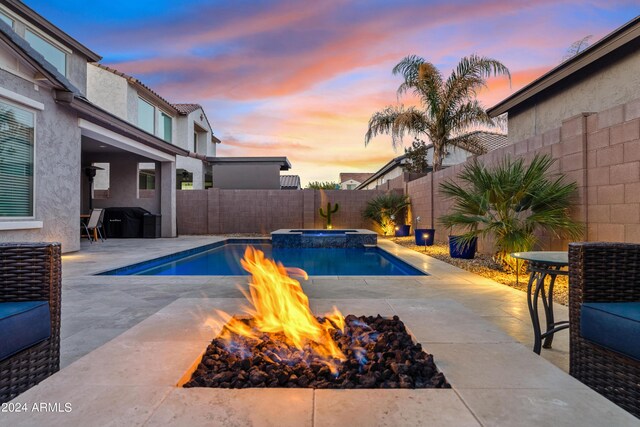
280	343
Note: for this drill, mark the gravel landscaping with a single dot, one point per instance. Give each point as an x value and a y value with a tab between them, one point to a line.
484	265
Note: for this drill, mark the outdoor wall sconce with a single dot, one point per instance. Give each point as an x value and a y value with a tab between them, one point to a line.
90	172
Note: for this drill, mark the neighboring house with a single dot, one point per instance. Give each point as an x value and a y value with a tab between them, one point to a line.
255	173
50	133
454	155
183	125
290	182
603	76
350	181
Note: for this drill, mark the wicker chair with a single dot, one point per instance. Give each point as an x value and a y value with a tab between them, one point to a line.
604	272
31	272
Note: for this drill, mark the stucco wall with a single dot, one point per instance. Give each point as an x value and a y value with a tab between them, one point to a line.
195	166
604	86
123	182
107	91
247	176
216	211
57	169
77	71
185	128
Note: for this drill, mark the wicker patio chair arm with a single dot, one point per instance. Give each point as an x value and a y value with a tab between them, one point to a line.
604	272
30	272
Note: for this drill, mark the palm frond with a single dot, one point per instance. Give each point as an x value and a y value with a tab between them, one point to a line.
468	115
510	202
396	121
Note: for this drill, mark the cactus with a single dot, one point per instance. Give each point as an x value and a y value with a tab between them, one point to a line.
328	213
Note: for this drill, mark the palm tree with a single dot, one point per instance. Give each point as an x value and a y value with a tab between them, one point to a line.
511	202
449	107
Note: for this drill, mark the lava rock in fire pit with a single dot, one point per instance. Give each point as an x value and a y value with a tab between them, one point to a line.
379	351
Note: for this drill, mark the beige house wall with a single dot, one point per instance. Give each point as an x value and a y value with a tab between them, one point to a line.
604	86
246	176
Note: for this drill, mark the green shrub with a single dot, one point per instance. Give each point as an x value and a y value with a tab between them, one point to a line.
510	202
387	210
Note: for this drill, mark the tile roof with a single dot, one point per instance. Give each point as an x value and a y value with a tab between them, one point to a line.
289	182
356	176
136	81
185	109
488	140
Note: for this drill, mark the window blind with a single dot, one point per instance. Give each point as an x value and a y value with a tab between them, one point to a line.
16	161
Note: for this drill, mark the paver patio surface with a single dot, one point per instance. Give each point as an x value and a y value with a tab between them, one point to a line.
96	309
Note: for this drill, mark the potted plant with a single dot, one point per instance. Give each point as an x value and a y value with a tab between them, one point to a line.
385	209
510	202
424	236
459	248
401	230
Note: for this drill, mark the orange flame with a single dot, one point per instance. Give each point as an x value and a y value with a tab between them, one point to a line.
280	306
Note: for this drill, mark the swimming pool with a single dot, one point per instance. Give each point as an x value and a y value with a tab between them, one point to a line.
223	259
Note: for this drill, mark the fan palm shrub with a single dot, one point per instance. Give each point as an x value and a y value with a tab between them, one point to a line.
448	106
511	202
386	210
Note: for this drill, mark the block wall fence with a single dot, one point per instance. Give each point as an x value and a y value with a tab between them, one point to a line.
599	151
218	211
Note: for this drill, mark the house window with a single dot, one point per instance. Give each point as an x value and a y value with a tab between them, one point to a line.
195	142
6	19
52	54
146	176
16	161
101	182
165	127
146	180
146	116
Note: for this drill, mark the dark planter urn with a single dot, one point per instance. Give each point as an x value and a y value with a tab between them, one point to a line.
425	236
467	251
403	230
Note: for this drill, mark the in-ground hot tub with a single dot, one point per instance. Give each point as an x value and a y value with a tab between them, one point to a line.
319	238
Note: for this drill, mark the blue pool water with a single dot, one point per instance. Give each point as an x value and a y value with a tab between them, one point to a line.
224	260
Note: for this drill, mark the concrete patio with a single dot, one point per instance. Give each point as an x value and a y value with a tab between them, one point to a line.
128	340
96	309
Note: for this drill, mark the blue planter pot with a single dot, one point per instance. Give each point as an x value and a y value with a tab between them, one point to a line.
425	236
403	231
464	251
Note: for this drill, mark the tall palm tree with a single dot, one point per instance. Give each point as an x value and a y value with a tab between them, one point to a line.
449	107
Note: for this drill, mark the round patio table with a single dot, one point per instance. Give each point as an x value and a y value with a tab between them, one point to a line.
543	264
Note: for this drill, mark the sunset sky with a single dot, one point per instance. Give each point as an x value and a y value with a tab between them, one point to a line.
301	78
